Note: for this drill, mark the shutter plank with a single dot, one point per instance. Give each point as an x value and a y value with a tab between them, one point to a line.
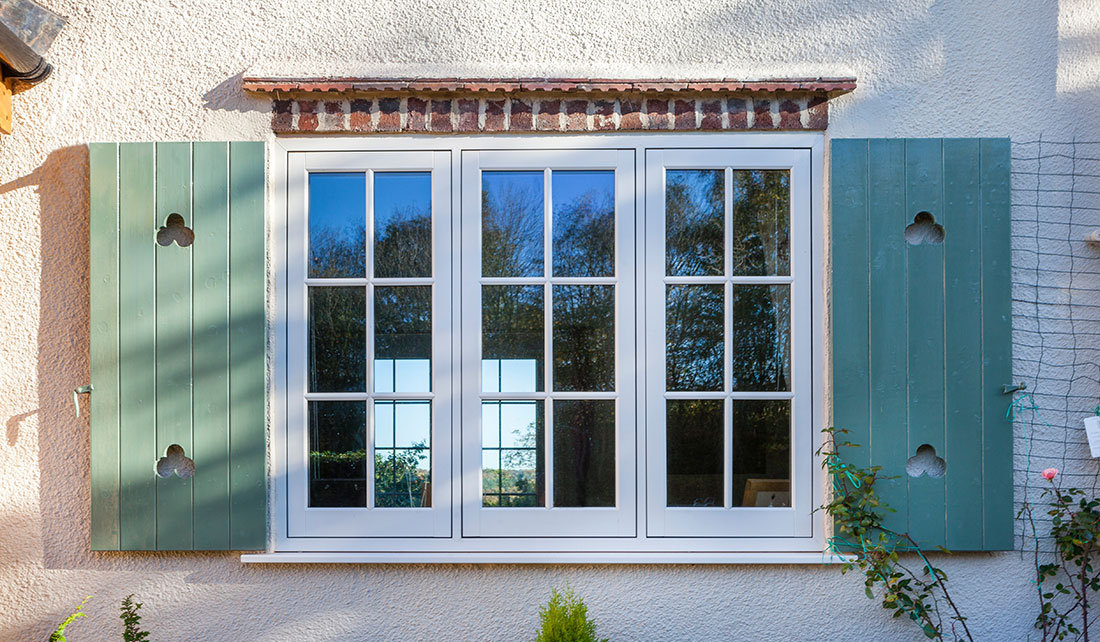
996	343
851	393
175	521
137	343
925	274
963	342
247	387
104	348
210	305
887	336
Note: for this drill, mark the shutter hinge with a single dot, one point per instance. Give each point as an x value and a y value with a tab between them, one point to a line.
1009	388
79	391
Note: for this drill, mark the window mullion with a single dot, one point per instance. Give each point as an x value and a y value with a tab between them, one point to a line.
368	236
548	338
727	343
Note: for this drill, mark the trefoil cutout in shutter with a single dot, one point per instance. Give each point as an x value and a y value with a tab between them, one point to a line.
175	231
925	462
174	461
924	229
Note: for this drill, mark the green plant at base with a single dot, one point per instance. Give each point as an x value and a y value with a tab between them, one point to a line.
565	619
857	513
59	633
131	621
1075	530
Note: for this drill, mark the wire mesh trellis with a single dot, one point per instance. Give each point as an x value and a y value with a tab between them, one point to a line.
1055	318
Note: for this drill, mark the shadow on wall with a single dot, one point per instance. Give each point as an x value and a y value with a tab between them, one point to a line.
228	96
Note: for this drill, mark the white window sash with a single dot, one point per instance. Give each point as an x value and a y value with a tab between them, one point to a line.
302	519
479	521
726	521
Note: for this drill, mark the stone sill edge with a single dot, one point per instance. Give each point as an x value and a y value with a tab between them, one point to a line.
815	558
371	85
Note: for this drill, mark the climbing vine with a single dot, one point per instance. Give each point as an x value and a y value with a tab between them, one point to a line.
892	564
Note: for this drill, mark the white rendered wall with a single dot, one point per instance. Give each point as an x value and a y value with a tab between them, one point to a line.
138	70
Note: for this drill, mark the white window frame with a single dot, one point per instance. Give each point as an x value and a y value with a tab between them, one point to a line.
801	545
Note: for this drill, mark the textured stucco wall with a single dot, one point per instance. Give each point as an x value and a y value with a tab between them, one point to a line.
133	70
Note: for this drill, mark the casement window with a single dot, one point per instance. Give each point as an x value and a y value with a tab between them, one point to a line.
509	345
544	349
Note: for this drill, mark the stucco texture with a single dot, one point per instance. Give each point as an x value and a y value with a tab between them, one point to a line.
143	70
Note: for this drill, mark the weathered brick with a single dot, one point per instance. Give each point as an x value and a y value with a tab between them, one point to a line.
818	109
307	115
712	114
630	114
762	114
282	106
282	122
415	110
576	115
790	117
604	117
738	113
548	115
494	115
520	119
685	114
360	115
389	114
441	115
467	115
657	113
332	120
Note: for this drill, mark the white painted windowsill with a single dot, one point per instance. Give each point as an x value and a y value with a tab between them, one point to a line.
542	558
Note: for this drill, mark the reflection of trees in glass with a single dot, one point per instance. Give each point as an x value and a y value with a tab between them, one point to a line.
403	322
337	335
694	214
511	228
519	479
584	235
695	452
695	325
512	324
403	248
584	337
760	340
761	442
761	223
399	478
584	452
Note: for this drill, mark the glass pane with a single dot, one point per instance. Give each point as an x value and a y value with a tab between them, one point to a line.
584	223
584	337
337	225
337	453
695	451
694	214
584	452
402	454
512	458
337	339
402	224
761	452
761	337
761	221
512	337
402	338
512	224
695	322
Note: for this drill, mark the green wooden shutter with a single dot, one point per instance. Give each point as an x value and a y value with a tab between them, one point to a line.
921	333
177	346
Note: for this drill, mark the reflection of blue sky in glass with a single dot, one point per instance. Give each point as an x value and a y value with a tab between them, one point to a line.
568	186
402	424
397	193
509	375
402	375
337	215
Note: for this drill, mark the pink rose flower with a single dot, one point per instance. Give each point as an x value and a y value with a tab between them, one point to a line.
1049	473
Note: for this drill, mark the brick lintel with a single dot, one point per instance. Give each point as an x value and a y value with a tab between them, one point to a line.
465	105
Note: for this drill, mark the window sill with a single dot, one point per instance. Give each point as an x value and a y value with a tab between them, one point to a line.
823	557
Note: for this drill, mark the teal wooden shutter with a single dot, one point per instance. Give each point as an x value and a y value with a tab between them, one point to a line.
177	346
921	333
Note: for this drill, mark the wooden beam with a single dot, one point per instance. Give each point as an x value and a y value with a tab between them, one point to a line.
5	105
